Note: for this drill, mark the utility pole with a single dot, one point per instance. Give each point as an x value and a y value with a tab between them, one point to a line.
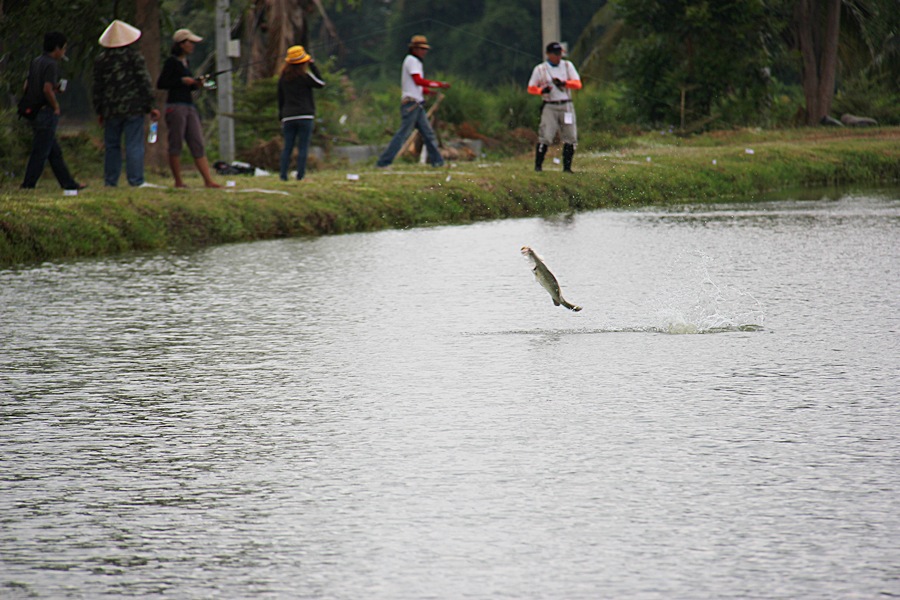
550	22
224	94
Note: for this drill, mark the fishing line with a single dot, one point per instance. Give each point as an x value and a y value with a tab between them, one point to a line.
372	33
462	29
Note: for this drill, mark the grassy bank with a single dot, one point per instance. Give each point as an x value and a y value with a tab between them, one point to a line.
42	224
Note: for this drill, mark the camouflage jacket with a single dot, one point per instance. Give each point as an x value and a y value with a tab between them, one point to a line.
121	83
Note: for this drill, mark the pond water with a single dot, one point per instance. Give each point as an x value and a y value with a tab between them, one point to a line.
405	414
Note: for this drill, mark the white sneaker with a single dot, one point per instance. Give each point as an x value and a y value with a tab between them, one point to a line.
152	185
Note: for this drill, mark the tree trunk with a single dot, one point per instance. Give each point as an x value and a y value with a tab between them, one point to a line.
275	26
817	25
3	60
147	20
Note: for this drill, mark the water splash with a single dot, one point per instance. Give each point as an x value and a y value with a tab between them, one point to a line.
703	305
671	330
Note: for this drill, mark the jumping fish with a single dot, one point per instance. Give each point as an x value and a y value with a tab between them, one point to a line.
547	280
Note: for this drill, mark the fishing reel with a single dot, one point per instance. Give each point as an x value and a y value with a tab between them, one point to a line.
209	83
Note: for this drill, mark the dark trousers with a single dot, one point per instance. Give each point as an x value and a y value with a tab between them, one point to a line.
412	115
45	148
132	127
299	132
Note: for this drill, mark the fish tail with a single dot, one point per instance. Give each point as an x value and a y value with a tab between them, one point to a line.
570	306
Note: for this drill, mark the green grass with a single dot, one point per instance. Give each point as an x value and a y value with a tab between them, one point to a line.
42	224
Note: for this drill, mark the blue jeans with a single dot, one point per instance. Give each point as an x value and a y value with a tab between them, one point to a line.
412	114
299	132
45	148
133	128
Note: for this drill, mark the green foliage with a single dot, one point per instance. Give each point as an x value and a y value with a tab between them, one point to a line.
869	97
601	107
255	112
695	49
782	109
597	43
22	29
499	48
346	115
466	103
82	150
648	89
512	107
15	144
489	42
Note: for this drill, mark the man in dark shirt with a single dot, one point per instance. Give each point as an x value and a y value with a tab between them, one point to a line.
41	88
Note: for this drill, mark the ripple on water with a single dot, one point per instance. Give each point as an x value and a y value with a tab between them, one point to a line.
406	415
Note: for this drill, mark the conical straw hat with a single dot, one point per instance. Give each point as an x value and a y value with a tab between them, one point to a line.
118	34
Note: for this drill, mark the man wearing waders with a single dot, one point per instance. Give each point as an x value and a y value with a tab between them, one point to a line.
554	80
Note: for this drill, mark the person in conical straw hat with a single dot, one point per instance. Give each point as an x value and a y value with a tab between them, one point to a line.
296	106
414	87
123	96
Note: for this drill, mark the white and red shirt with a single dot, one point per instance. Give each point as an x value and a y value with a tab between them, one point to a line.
412	79
544	74
410	89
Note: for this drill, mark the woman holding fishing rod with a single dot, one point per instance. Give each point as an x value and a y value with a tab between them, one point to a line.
296	108
181	115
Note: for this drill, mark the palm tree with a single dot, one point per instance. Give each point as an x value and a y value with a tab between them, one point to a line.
597	42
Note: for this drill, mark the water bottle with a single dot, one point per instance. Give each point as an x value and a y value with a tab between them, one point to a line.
151	137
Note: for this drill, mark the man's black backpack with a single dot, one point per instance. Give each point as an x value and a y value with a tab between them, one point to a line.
26	111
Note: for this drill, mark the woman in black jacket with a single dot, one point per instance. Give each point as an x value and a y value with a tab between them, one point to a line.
296	107
182	117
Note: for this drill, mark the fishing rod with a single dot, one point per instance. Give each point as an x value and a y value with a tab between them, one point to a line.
209	78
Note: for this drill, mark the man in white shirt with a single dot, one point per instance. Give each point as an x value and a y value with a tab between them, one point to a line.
554	80
414	86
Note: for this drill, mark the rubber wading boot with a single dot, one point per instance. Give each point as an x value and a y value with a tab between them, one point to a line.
568	155
539	152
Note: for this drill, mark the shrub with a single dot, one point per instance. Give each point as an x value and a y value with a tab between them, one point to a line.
512	107
15	143
868	97
466	103
600	107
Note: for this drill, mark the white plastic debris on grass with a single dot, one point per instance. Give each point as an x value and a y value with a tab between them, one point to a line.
258	190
